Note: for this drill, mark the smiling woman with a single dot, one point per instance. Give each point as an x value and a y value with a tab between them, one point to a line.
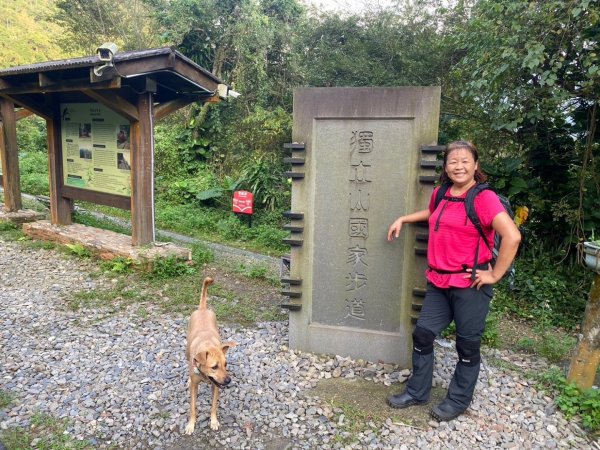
459	287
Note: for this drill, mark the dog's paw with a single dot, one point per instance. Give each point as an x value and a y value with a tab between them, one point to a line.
214	424
189	428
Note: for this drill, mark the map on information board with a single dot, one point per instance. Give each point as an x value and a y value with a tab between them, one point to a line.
96	148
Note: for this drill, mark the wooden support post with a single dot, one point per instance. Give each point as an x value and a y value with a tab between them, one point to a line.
585	361
9	153
60	207
142	173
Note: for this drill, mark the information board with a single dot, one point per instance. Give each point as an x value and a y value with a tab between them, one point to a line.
96	148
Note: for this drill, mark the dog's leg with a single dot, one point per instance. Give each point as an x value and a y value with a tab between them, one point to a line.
189	428
214	423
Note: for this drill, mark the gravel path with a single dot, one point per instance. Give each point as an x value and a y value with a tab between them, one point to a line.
120	379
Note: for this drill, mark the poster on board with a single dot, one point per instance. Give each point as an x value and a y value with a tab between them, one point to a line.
96	148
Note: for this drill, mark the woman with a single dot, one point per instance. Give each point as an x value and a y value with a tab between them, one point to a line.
453	291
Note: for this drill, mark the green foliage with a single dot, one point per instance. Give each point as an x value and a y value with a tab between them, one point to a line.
548	345
87	218
34	173
189	190
552	292
118	265
528	77
169	267
10	231
24	33
6	398
202	254
78	250
218	225
8	226
180	147
263	176
49	433
258	271
86	25
572	401
31	135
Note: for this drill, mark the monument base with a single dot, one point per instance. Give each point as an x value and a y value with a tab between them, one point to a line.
370	345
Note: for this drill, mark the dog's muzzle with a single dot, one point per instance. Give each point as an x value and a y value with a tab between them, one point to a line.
220	385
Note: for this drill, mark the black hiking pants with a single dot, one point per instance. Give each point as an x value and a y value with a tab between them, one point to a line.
468	307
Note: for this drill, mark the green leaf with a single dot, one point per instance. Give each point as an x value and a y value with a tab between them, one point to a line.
210	194
518	183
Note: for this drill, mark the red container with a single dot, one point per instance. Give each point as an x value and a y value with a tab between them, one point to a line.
243	202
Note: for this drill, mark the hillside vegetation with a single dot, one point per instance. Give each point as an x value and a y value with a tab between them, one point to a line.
26	34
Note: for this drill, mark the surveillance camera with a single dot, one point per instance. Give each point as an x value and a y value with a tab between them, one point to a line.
107	51
222	90
225	91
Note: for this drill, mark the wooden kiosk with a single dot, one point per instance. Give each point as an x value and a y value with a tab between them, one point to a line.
112	100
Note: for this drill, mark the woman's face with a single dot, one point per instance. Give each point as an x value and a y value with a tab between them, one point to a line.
461	166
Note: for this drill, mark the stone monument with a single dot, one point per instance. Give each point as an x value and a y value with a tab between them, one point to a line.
361	157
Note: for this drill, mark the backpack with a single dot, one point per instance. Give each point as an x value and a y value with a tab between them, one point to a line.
469	202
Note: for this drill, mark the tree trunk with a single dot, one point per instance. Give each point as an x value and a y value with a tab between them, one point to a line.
585	361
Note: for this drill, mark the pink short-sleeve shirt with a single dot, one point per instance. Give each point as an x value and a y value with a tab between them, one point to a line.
453	241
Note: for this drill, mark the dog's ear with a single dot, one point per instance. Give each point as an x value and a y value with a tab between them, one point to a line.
227	345
200	358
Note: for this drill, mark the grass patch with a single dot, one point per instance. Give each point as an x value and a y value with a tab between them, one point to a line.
258	271
86	218
358	407
44	433
547	290
107	210
352	421
119	265
37	244
121	294
78	250
180	295
549	344
216	225
10	231
6	398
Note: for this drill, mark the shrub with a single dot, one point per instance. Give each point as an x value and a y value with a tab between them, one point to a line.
554	348
118	265
169	267
572	401
262	175
547	288
31	135
201	254
34	173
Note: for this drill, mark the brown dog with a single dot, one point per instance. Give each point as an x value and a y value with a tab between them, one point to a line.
206	357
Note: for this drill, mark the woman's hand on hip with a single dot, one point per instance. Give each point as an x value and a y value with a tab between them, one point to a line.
482	277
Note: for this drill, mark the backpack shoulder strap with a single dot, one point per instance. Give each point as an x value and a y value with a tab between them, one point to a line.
470	207
441	193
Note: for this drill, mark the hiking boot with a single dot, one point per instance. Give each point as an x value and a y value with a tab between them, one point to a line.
403	400
445	412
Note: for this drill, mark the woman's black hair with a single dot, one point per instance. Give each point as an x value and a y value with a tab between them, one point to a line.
480	177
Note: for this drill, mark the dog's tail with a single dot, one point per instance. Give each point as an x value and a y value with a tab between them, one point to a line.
207	282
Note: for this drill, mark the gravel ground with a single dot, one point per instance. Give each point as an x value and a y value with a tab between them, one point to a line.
120	379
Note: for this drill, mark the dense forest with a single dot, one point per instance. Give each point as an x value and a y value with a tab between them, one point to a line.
520	78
